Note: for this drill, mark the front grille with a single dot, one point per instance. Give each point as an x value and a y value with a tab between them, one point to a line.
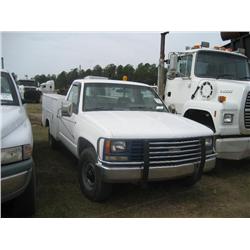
26	89
136	151
166	152
247	112
177	152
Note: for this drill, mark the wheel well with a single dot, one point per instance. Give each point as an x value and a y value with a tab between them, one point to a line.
82	144
201	116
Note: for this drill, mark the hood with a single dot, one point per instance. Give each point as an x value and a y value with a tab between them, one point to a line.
145	124
11	118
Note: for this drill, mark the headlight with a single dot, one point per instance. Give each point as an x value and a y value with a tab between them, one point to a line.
228	118
15	154
9	155
27	151
209	142
118	146
115	150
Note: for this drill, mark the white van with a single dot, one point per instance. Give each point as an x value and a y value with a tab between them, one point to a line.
17	168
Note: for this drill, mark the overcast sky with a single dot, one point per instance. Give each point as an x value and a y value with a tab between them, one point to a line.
34	53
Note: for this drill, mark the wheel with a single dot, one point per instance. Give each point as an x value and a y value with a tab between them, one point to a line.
91	183
53	143
25	204
193	179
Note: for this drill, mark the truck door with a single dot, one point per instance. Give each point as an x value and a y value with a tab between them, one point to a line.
68	124
179	89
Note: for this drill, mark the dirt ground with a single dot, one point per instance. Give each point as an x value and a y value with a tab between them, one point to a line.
225	192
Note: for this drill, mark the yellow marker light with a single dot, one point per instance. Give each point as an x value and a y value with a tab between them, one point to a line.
125	78
222	98
197	46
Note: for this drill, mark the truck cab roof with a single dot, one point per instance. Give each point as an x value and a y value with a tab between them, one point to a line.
101	80
214	50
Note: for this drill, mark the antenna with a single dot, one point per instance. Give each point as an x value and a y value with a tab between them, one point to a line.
2	62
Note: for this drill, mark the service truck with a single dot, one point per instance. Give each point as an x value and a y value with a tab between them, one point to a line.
18	180
29	90
212	86
121	131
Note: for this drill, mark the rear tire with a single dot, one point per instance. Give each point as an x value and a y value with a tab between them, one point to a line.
91	183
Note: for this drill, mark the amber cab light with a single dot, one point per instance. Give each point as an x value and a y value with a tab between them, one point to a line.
222	98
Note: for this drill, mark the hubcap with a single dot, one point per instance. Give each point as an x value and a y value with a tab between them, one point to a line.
88	175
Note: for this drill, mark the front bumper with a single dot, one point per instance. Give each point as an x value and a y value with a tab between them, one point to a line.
233	148
15	178
134	172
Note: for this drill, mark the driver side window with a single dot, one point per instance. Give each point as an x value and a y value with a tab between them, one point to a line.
73	97
184	66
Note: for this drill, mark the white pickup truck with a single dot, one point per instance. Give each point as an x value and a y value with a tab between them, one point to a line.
121	131
17	167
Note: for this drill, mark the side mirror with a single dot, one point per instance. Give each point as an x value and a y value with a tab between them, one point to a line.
173	62
172	109
67	108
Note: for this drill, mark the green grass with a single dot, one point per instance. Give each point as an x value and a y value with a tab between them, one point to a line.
223	193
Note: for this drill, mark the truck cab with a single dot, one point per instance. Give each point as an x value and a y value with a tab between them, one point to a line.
29	90
17	166
47	87
122	131
212	86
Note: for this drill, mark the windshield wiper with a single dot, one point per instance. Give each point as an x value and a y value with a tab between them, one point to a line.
99	108
223	75
137	107
245	78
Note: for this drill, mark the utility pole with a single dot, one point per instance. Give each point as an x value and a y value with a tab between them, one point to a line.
2	62
160	80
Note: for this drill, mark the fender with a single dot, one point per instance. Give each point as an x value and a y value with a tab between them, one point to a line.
216	111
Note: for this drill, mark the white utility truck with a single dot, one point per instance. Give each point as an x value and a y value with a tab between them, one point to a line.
17	167
122	132
212	86
29	90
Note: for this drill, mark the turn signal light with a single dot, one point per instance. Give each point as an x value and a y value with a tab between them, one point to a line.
222	98
107	147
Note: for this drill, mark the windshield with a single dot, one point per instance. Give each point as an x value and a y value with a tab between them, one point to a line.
8	93
103	96
28	83
221	65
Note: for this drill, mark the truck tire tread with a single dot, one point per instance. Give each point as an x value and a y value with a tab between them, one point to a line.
97	190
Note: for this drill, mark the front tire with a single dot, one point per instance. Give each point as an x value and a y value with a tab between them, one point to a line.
91	183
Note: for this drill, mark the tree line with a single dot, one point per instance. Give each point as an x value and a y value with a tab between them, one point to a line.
146	73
